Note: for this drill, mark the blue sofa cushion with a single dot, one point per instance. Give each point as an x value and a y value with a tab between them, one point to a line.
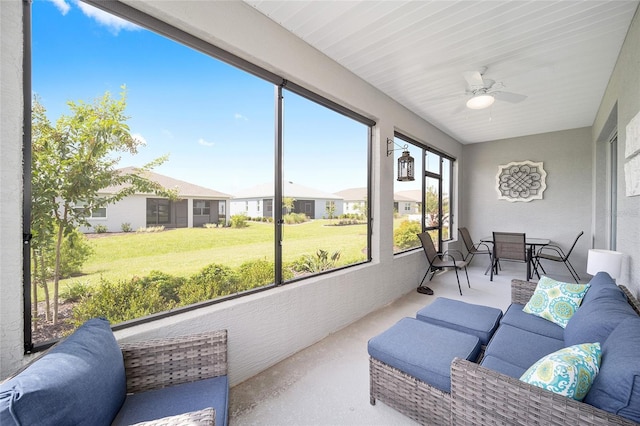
478	320
179	399
598	317
81	381
599	282
520	347
515	317
423	350
616	389
502	366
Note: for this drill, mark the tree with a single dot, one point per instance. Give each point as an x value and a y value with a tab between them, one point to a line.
71	162
288	204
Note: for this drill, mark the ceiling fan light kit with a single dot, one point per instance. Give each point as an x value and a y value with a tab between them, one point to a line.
480	101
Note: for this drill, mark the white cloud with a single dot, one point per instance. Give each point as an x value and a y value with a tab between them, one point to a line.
239	116
205	143
62	6
113	23
139	138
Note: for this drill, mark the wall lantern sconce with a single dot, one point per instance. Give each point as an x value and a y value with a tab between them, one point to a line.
406	171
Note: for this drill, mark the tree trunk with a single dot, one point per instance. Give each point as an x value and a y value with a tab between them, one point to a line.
56	274
45	286
34	286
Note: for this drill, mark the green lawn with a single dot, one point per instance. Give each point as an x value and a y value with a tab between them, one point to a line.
182	252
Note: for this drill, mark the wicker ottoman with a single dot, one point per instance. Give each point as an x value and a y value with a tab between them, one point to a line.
477	320
410	365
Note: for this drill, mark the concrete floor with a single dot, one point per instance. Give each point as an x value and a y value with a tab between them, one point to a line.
328	383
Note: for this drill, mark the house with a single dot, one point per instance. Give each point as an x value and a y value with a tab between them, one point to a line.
258	201
195	206
355	200
408	202
269	326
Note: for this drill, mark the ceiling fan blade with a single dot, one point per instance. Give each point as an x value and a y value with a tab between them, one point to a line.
514	98
474	79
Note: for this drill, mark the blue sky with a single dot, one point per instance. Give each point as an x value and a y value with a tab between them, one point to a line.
215	122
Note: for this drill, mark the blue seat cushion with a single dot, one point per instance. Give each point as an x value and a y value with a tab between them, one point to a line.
478	320
81	381
423	350
520	347
597	318
179	399
516	317
502	366
616	388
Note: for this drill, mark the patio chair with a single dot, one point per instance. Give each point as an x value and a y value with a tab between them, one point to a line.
440	261
509	246
555	254
473	249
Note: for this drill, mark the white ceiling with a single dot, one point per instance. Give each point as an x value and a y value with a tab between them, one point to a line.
558	53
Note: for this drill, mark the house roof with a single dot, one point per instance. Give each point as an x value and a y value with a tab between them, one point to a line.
353	194
414	195
185	189
289	189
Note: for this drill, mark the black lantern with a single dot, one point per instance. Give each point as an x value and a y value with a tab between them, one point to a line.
405	167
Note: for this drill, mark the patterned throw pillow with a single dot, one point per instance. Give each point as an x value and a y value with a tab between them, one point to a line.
555	301
569	371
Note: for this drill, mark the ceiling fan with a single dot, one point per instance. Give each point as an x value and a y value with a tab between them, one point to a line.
485	91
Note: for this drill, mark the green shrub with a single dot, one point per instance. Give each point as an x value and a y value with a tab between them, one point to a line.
167	286
74	253
294	218
100	229
75	292
151	229
211	282
120	301
318	263
126	227
406	235
239	221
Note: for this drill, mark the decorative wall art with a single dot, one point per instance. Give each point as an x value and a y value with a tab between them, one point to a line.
521	181
632	157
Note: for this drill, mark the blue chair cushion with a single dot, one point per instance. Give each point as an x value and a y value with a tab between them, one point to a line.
597	318
179	399
81	381
616	388
502	366
478	320
423	350
520	347
516	317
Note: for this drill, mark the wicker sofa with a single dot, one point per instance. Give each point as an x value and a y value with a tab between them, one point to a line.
89	379
490	392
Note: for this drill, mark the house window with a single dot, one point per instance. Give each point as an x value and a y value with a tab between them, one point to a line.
431	193
207	112
201	207
95	213
158	211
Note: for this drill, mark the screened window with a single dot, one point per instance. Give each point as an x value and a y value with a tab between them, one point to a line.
428	207
205	129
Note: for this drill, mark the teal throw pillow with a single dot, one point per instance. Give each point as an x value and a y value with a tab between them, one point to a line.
555	301
569	371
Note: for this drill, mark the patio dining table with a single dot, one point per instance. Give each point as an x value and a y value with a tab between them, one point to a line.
531	244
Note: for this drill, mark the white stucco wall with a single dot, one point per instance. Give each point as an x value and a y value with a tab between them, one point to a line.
131	210
267	327
565	209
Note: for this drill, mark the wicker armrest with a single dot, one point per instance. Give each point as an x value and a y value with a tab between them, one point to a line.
483	396
206	417
158	363
521	291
